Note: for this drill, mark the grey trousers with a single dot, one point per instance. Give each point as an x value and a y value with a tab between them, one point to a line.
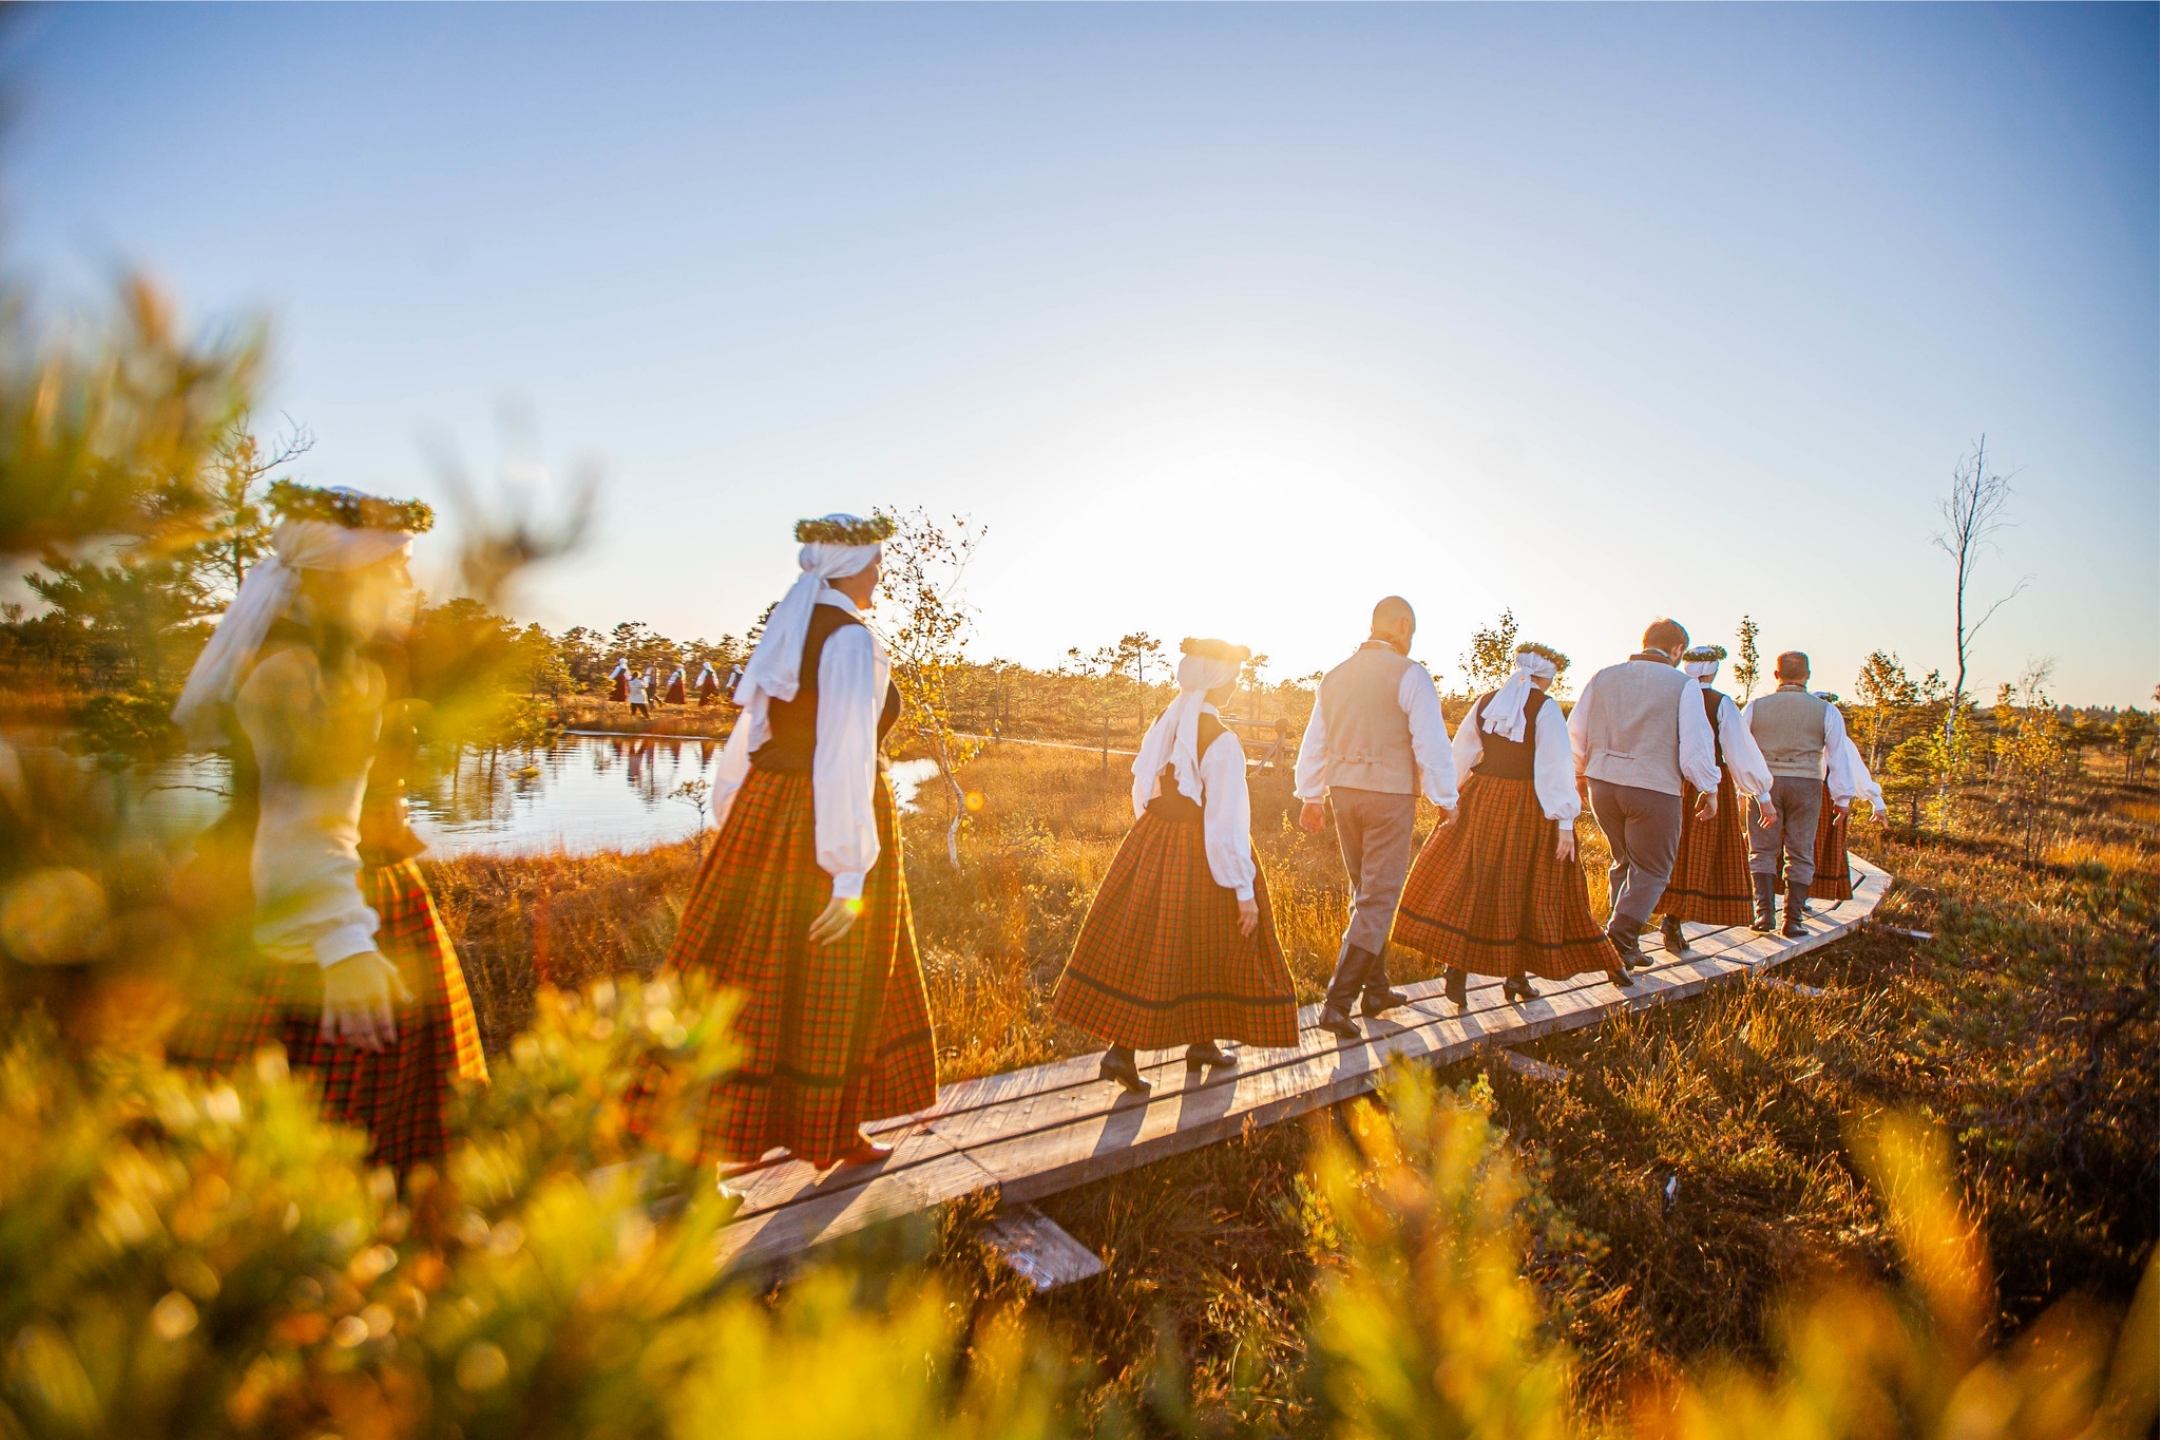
1643	829
1799	810
1374	829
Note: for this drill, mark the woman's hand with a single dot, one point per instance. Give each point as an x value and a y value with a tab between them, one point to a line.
1706	805
357	1007
1248	916
835	920
1565	850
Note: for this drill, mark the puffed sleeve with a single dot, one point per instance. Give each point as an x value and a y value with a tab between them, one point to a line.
1312	756
844	773
1578	724
1469	745
1552	769
1228	817
1743	757
1420	702
1698	748
1839	758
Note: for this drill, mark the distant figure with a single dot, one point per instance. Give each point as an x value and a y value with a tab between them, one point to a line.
1375	740
1710	875
677	694
1641	737
1179	945
1500	891
350	970
733	683
1798	734
802	903
1845	776
639	695
708	686
621	676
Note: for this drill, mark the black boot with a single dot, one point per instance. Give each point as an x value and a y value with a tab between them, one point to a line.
1675	937
1207	1053
1382	999
1765	904
1629	944
1795	912
1517	988
1118	1065
1458	987
1351	968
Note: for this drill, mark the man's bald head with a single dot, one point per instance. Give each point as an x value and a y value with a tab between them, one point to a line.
1394	622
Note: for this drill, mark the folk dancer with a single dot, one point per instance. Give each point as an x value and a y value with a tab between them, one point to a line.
1845	777
620	675
1179	946
350	969
1375	741
1641	736
1798	733
640	694
1500	891
677	693
1710	874
802	902
708	686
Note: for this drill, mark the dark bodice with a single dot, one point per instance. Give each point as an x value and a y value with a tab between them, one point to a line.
792	745
1710	701
1506	759
1171	803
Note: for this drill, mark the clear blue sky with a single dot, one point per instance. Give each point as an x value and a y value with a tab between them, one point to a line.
1224	320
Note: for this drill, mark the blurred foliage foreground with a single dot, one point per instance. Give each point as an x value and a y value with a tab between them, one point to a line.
187	1255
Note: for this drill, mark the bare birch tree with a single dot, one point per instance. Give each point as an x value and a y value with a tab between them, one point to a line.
1973	512
926	626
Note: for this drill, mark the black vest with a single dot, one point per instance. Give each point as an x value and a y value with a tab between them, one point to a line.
1506	759
792	746
1171	803
1710	702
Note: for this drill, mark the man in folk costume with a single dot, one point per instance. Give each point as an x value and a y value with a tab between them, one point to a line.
1179	946
1375	740
1798	733
1845	776
620	675
1710	883
350	968
708	685
802	904
1641	736
1500	891
640	694
677	693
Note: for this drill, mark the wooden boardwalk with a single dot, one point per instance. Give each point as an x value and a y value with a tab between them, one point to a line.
1034	1132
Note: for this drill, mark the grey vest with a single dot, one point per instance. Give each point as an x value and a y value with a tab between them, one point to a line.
1368	736
1634	735
1791	728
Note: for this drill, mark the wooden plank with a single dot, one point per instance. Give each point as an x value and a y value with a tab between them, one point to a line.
1037	1249
770	1236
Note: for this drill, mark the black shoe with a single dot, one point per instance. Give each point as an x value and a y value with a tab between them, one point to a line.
1765	904
1378	1001
1517	988
1458	988
1336	1023
1795	912
1628	941
1118	1065
1209	1055
1675	937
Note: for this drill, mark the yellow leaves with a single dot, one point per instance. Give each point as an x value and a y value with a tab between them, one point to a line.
53	916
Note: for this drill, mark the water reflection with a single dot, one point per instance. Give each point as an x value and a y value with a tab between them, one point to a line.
582	794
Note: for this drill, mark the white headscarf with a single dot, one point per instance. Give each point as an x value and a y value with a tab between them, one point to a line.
1703	670
264	596
775	668
1174	738
1503	712
622	667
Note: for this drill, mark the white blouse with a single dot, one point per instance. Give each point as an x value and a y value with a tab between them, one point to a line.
1226	811
1552	766
1743	757
313	751
1847	774
853	672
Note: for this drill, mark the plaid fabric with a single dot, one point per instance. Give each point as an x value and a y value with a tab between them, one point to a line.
1710	883
1833	872
1159	960
1488	895
399	1096
833	1035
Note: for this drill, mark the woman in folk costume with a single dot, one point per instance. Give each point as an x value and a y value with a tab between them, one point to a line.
621	676
676	693
350	968
640	694
1710	884
1845	775
708	685
802	904
1500	891
1179	946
